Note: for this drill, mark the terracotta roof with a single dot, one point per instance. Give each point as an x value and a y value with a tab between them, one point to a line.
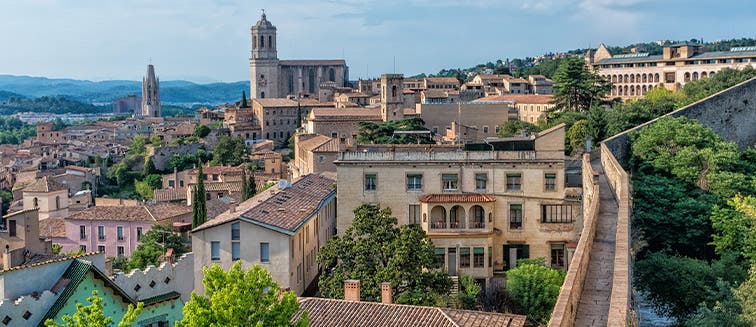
44	185
520	98
222	186
164	210
435	93
82	169
333	62
275	102
210	170
451	80
360	114
330	312
139	213
314	143
283	210
52	227
456	198
494	76
170	194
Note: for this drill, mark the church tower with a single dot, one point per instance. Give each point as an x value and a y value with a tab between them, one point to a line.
150	94
392	101
263	65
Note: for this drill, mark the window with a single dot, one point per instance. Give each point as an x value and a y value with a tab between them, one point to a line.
449	182
464	257
101	248
515	216
299	273
479	257
414	182
478	217
171	183
514	182
101	233
550	182
480	181
12	228
119	231
139	234
485	129
414	214
207	196
556	213
370	182
235	231
440	255
235	251
121	251
215	177
83	248
264	252
490	257
557	256
291	247
82	232
215	250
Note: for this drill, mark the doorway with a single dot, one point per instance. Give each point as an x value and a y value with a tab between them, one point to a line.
452	261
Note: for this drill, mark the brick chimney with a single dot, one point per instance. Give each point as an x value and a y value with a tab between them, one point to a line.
386	293
352	290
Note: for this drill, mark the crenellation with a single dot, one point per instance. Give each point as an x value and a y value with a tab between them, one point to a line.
27	310
153	281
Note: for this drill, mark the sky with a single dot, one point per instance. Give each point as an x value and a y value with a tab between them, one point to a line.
206	41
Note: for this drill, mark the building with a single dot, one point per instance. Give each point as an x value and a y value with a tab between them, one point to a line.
484	205
314	153
634	74
150	94
274	78
281	229
50	196
130	104
531	108
20	240
485	117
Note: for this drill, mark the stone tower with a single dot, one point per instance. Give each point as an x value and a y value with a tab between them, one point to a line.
392	102
263	64
150	94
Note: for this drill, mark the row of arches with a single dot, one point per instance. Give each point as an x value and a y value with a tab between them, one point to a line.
457	217
687	77
631	90
633	78
311	80
259	42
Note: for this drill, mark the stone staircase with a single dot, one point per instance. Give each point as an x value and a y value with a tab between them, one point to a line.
452	303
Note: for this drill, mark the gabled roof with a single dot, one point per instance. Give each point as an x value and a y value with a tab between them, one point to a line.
456	198
44	185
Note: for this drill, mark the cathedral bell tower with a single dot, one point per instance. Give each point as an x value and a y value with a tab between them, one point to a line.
263	64
392	97
150	94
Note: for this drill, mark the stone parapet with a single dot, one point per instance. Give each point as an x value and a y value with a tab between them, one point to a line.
27	310
154	281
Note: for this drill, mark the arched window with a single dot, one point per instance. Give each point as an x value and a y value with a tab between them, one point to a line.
57	202
686	77
311	81
262	95
614	89
614	78
438	217
270	41
711	74
656	78
331	75
632	89
704	75
267	135
638	78
457	217
695	76
619	91
36	202
262	41
644	90
620	78
644	78
393	91
632	78
477	217
626	90
627	79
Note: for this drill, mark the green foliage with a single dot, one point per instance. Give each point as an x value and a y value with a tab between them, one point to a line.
14	131
154	243
383	132
188	160
536	288
248	185
735	224
676	285
577	88
229	151
746	296
7	198
576	137
138	145
155	141
124	172
696	90
201	131
120	263
375	250
56	248
532	261
199	204
244	100
596	124
469	290
144	190
54	105
93	315
511	128
241	298
149	168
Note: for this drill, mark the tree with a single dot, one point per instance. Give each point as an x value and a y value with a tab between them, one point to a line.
229	151
149	167
511	128
467	298
93	315
199	204
252	184
735	224
144	190
375	250
746	296
154	243
299	115
244	100
201	131
596	125
383	132
241	298
138	145
576	137
536	288
577	87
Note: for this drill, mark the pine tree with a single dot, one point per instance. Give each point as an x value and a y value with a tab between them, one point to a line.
199	204
245	185
244	99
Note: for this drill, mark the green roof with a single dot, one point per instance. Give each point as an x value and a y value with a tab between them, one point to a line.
161	298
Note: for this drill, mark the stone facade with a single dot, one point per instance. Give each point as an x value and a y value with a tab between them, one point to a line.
485	117
150	94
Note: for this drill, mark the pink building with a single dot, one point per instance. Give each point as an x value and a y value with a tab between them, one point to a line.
116	231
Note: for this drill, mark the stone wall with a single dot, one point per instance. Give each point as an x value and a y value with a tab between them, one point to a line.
163	154
572	288
153	281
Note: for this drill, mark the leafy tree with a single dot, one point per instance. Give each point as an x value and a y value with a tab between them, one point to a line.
375	250
155	181
201	131
723	79
229	151
138	146
383	133
248	185
596	125
144	190
511	128
199	204
536	288
149	168
155	141
746	296
93	315
241	298
467	297
299	115
735	224
7	198
154	243
577	87
576	137
726	310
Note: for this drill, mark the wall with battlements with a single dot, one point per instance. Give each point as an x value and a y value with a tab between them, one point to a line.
153	281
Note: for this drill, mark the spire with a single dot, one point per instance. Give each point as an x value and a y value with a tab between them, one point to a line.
150	93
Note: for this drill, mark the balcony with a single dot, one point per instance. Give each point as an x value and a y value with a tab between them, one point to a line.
457	214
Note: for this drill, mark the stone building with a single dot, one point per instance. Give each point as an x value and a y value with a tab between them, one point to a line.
314	153
50	196
531	108
634	74
484	116
281	229
274	78
150	94
484	205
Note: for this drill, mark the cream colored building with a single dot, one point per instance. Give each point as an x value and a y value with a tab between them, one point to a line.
634	74
314	153
482	208
531	108
281	229
484	116
50	196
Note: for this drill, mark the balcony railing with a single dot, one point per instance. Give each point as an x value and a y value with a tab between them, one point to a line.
438	225
478	224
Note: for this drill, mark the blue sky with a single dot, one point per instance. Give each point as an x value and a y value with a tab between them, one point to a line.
209	40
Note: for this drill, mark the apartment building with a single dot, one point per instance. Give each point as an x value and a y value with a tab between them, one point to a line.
281	229
483	205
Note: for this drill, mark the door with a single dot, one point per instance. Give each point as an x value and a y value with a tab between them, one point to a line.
512	252
452	262
512	258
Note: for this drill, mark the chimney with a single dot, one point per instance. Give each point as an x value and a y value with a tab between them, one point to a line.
352	290
386	293
232	207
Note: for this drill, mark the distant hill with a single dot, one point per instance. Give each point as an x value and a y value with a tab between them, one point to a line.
171	92
5	95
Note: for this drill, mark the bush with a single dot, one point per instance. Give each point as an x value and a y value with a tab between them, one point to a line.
535	288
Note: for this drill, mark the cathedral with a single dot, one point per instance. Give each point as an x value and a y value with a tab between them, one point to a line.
274	78
150	94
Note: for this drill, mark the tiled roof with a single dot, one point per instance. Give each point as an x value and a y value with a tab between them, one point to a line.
170	194
700	56
139	213
520	98
330	312
275	102
283	210
452	80
52	227
210	170
334	62
435	93
320	143
44	185
223	186
164	210
456	198
494	77
82	169
360	114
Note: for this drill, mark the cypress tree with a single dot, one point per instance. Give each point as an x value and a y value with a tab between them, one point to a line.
245	185
199	205
299	115
252	185
244	99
